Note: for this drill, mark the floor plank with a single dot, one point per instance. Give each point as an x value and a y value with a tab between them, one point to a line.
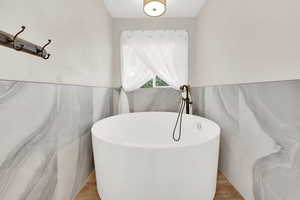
225	191
89	192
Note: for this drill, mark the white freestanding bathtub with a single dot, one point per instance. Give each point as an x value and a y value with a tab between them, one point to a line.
137	159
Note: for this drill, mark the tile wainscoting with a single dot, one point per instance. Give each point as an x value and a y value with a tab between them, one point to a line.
45	137
260	141
153	99
46	145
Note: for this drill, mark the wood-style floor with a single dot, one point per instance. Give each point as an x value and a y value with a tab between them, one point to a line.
225	191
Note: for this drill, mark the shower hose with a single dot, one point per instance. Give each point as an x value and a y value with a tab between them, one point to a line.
177	138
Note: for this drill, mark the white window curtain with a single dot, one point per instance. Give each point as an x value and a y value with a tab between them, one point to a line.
148	53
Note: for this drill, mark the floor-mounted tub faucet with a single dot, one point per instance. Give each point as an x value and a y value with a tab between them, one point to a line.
186	91
184	104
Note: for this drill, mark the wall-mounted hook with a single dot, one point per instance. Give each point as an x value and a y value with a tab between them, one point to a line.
43	48
41	51
14	42
47	56
15	37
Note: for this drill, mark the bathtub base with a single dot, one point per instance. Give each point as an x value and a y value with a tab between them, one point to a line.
149	174
136	158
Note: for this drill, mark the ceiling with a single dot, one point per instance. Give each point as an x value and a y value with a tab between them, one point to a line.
134	8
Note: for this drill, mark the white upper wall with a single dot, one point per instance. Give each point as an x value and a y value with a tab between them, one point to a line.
247	41
134	8
82	41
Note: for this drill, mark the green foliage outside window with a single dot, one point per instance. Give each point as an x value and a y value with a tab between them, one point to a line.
156	82
160	82
149	84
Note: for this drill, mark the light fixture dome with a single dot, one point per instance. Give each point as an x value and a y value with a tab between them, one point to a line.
155	8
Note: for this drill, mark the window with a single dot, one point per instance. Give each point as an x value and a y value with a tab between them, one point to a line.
154	59
155	82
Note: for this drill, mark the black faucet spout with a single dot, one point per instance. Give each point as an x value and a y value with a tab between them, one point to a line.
188	102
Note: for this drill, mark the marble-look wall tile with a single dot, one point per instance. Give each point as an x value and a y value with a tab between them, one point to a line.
66	175
274	106
260	140
28	156
43	127
103	103
255	143
198	100
75	163
154	99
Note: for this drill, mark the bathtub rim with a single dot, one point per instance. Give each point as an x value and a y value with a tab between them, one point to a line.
96	136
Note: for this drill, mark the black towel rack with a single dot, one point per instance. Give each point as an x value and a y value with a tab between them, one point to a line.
14	42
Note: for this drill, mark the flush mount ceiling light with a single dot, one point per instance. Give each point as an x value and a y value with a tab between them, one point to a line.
155	8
